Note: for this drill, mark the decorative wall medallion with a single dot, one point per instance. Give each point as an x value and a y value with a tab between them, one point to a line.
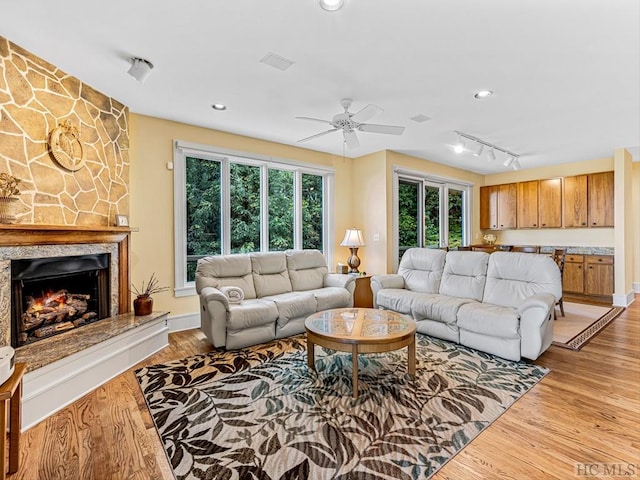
66	146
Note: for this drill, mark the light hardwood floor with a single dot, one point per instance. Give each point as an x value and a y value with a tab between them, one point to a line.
587	410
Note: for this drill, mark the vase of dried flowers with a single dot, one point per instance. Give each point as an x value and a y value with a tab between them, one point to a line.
143	303
8	197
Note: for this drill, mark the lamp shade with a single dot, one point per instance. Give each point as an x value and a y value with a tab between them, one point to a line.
353	238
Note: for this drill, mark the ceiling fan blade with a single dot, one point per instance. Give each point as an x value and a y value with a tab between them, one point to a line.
314	119
375	128
351	139
366	113
317	135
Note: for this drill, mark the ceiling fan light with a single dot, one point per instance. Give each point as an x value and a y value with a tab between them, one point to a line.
331	5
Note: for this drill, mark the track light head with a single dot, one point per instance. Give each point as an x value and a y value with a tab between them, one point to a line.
516	164
479	150
491	154
459	147
140	69
509	160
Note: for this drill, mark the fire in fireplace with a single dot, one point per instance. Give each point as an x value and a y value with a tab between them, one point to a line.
52	295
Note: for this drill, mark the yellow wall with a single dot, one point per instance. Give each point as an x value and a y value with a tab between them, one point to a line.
152	194
370	214
593	237
635	201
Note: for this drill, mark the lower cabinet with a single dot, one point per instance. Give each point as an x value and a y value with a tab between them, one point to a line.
598	275
588	275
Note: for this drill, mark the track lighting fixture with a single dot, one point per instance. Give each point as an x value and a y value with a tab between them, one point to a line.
491	149
140	69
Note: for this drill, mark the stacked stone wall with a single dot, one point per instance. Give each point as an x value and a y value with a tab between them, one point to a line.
35	98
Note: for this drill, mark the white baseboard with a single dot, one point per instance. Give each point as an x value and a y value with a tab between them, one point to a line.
621	300
54	386
636	287
186	321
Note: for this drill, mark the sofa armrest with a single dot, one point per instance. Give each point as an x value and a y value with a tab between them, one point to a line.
378	282
214	306
391	280
536	324
338	280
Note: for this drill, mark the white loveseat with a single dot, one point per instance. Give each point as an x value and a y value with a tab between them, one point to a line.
281	289
501	303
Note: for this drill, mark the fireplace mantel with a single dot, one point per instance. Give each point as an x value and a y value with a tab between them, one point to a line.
37	234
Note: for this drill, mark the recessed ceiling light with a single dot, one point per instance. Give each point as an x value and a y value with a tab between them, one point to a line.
276	61
420	118
483	94
331	5
219	106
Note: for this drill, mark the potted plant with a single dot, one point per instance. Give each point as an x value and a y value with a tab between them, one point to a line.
143	303
8	197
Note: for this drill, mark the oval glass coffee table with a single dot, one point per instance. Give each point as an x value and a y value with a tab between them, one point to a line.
361	330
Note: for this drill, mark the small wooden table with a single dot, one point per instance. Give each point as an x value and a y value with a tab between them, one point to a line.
361	330
11	392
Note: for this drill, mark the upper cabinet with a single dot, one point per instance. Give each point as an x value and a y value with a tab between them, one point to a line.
550	203
498	206
580	201
528	204
575	201
600	190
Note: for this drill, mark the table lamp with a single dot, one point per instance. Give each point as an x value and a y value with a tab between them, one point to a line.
353	239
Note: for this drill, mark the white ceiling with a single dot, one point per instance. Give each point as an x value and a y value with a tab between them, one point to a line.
566	73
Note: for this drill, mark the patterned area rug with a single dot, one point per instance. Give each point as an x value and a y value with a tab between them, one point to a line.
581	323
260	413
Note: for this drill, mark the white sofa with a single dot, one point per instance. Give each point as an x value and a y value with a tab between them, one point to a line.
281	289
501	303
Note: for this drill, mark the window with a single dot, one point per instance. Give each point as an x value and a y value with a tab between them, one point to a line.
430	212
228	203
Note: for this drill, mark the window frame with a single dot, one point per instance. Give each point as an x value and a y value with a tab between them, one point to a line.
182	150
444	183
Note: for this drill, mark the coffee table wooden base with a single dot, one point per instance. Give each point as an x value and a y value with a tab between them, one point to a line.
356	348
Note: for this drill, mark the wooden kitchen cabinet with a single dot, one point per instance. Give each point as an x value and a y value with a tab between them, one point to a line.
507	206
575	201
498	206
600	190
598	275
573	275
527	204
550	203
489	207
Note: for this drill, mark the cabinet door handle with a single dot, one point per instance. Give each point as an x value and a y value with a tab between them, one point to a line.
534	225
590	267
580	266
544	224
594	223
583	223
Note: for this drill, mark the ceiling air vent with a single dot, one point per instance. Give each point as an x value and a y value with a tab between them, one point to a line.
276	61
420	118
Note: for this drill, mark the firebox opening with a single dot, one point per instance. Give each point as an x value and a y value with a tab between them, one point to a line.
54	295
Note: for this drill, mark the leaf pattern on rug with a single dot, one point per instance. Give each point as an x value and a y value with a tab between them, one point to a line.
261	413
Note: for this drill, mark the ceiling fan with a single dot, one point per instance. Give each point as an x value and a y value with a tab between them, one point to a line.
349	123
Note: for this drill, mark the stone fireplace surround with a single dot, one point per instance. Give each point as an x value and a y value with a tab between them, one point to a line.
64	367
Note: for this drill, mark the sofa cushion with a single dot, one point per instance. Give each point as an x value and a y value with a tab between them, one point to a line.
293	305
490	320
440	308
307	269
226	271
251	313
513	277
465	274
422	269
331	297
397	299
270	274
